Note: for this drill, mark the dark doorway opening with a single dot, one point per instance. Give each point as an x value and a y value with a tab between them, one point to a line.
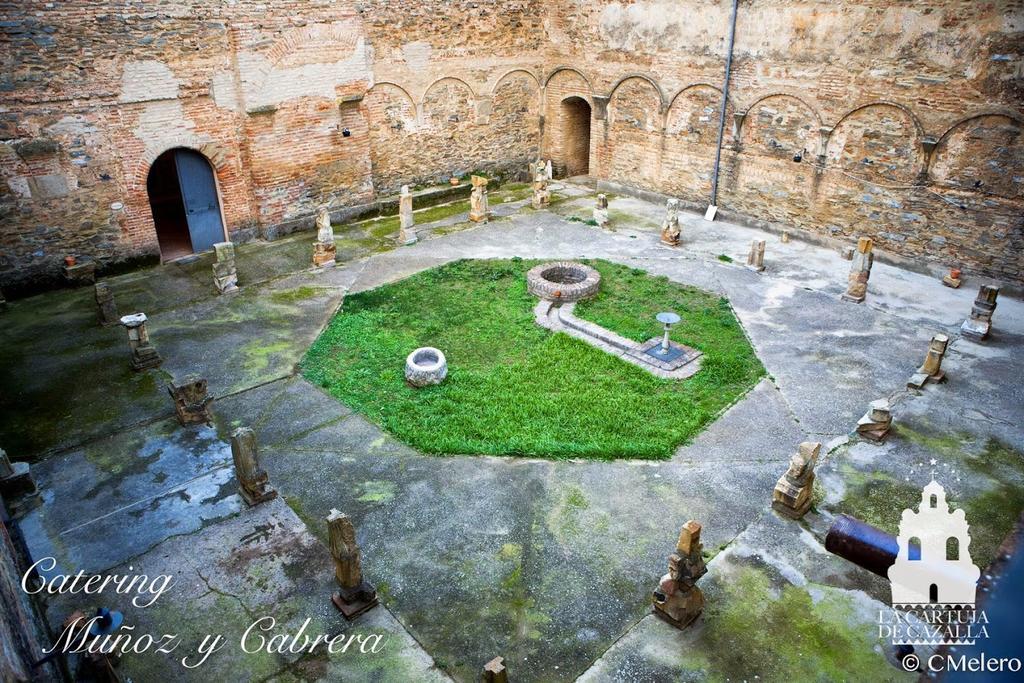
183	198
576	135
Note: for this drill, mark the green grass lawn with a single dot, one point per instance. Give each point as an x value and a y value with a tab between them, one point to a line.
514	388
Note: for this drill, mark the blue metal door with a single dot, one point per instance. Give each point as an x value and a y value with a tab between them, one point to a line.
199	194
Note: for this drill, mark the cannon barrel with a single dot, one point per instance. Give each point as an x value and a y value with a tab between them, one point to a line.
864	545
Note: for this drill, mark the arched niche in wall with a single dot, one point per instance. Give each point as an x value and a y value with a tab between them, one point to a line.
447	103
691	136
449	141
985	153
307	61
879	142
632	151
783	127
514	126
392	121
773	174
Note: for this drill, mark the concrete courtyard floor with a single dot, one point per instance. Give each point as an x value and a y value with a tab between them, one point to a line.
549	564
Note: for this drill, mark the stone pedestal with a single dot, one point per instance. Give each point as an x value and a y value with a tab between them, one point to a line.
478	209
324	255
792	495
78	274
406	232
17	486
144	355
876	423
931	369
677	599
495	671
670	232
355	595
225	273
105	305
860	271
324	251
253	481
952	279
979	324
541	194
755	259
192	401
601	211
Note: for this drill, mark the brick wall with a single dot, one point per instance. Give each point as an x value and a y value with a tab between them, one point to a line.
899	113
93	92
900	121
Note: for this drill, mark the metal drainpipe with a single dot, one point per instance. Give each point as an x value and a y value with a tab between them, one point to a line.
725	99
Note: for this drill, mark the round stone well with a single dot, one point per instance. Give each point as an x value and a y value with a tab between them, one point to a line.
563	281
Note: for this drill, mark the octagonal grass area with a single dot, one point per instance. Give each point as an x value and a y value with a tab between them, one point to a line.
515	388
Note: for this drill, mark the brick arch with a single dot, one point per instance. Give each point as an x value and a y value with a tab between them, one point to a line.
994	158
814	136
512	72
700	84
426	111
337	32
785	93
643	77
658	124
999	111
393	127
892	152
690	141
562	69
883	103
680	96
631	150
212	151
443	79
514	118
379	85
448	140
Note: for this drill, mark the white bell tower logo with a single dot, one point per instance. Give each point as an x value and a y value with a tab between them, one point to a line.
937	569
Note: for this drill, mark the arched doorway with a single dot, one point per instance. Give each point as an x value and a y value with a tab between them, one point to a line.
576	136
183	198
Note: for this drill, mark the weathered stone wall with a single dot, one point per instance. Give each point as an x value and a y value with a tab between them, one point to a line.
22	634
93	92
844	119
